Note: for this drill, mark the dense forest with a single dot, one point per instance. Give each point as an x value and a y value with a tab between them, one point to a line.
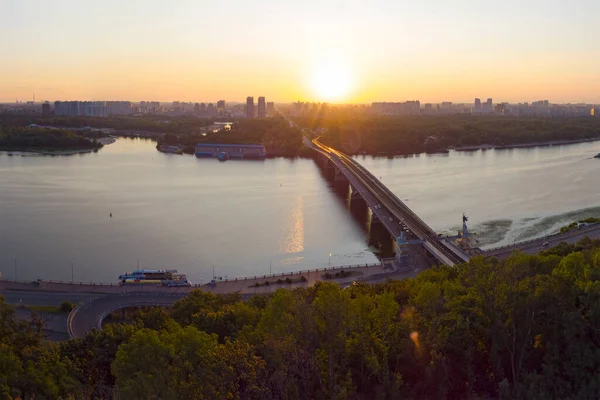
407	135
150	123
274	133
524	328
25	138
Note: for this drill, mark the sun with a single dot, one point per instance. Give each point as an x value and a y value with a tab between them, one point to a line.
331	80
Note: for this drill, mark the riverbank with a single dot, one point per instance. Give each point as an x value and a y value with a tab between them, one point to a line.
25	151
28	152
249	285
523	145
483	147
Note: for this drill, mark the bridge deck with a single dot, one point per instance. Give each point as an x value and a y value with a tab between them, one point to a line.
393	213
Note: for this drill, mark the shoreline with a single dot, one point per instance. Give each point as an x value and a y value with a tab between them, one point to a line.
244	285
523	145
27	152
31	151
483	147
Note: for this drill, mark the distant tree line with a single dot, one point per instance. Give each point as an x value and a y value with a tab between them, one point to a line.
274	133
25	138
523	328
148	123
407	135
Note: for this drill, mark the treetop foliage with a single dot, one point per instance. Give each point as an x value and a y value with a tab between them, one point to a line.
407	135
523	328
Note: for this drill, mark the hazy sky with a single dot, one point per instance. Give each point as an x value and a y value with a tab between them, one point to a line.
205	50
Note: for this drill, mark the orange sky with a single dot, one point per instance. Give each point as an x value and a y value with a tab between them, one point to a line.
383	51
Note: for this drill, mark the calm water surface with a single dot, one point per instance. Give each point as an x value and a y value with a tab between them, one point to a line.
245	217
169	211
508	195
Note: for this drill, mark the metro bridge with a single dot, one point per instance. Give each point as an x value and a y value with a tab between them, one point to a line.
386	207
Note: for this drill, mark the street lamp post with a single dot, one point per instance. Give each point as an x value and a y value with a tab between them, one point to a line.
329	260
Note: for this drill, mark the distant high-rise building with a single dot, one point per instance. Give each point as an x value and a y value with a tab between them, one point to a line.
46	111
249	107
262	107
221	104
78	108
119	107
501	108
395	108
477	108
202	107
66	108
270	108
488	105
211	110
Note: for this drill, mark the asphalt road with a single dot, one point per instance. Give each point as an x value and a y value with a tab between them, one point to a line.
88	317
41	298
537	246
356	174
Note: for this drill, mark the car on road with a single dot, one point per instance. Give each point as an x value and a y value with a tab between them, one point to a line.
545	244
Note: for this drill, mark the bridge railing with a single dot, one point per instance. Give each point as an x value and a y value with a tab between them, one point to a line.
389	192
410	217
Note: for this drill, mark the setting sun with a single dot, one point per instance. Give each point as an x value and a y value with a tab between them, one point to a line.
331	81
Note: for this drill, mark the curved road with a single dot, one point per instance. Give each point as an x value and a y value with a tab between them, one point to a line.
89	316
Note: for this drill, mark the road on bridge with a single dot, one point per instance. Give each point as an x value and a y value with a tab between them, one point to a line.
376	194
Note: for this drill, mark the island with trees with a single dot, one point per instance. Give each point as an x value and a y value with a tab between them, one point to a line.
523	328
47	140
120	124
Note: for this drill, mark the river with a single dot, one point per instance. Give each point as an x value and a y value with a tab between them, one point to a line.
247	218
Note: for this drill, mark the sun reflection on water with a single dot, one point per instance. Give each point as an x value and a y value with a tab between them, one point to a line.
294	240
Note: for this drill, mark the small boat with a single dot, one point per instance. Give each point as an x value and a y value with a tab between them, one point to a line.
597	155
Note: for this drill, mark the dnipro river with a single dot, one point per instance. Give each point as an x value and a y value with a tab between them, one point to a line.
249	217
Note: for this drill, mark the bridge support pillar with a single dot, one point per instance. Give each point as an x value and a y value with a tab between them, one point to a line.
329	169
339	176
380	238
340	182
357	202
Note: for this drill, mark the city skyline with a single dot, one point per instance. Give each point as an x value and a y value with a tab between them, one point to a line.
339	52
